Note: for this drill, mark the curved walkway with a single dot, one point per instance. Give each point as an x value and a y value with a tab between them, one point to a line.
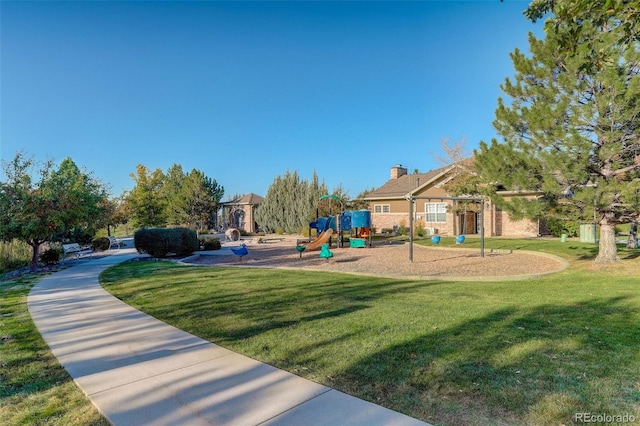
138	370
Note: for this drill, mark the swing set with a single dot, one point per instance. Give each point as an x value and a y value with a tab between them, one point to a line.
412	200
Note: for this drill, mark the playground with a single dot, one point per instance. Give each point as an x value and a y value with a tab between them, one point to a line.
329	251
391	259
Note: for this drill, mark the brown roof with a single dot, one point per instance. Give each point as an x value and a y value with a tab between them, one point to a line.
250	199
398	188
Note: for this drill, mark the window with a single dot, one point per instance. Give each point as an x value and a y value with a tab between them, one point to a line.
436	212
381	208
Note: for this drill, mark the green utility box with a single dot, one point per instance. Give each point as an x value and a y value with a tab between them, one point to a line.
588	233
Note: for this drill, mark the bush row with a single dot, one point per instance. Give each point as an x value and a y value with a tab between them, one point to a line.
159	242
210	243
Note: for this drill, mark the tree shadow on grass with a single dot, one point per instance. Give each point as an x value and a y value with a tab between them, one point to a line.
517	365
592	252
259	302
522	366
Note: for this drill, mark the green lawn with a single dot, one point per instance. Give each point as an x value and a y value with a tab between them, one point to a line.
521	352
34	388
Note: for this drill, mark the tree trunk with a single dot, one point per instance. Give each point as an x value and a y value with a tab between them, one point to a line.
35	258
607	250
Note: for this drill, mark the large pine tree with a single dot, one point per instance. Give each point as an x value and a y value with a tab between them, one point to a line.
570	131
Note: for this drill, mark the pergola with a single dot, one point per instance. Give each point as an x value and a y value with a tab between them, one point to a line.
412	199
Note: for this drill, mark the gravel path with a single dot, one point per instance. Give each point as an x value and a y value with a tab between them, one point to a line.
392	260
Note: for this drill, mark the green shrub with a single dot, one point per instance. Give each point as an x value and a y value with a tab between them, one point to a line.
51	256
557	227
420	231
101	243
159	242
210	243
184	241
151	241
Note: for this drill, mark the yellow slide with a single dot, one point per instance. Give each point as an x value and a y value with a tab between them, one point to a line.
318	242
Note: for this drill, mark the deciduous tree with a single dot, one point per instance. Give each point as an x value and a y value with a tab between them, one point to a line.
117	212
57	201
147	202
172	189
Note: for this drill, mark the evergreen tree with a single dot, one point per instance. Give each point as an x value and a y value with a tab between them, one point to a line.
292	199
570	131
569	16
174	198
269	213
201	196
290	203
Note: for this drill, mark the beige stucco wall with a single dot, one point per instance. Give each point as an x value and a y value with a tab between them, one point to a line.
249	216
496	222
399	216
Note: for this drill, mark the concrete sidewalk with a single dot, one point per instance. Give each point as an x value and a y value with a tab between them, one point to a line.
141	371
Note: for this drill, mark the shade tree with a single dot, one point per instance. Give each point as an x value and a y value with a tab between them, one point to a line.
173	198
147	201
40	203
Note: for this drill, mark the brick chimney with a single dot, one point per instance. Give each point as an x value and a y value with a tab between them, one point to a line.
397	171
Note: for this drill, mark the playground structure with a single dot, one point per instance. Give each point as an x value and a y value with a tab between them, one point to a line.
318	242
357	222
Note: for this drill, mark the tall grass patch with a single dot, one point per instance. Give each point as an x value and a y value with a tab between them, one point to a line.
14	254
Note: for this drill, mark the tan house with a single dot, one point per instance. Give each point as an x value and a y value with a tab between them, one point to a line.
389	206
240	213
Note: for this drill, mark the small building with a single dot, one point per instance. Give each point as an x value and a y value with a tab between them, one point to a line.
240	213
389	207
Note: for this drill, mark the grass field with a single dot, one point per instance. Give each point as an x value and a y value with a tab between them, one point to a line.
34	388
450	353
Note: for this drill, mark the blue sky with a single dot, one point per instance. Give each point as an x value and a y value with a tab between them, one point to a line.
245	91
